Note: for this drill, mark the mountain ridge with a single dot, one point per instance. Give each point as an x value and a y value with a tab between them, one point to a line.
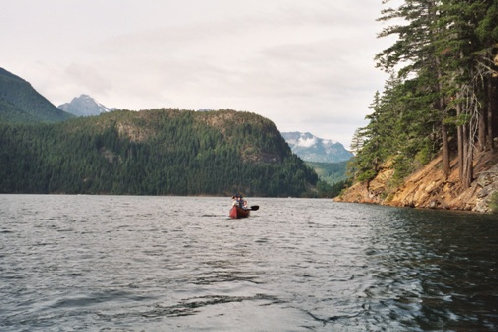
20	102
148	152
153	152
315	149
84	105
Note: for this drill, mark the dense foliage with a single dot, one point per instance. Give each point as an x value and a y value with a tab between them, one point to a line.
442	91
154	152
326	190
332	178
20	103
330	172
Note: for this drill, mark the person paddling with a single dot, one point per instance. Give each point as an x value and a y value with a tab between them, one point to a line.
235	200
240	207
239	201
243	203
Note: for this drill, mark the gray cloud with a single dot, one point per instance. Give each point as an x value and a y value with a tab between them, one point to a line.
88	78
306	65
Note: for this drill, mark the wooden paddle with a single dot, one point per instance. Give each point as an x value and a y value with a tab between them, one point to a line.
255	208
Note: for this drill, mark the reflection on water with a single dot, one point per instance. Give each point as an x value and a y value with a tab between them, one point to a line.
176	263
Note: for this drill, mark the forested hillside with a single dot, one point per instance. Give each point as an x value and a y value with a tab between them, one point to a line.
330	172
20	103
153	152
332	178
441	97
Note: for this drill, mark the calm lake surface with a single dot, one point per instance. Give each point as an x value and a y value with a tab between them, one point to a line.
128	263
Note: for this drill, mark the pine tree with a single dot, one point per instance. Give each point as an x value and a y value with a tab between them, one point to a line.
448	46
466	56
414	52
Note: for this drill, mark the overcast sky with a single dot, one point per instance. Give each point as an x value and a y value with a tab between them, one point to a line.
306	65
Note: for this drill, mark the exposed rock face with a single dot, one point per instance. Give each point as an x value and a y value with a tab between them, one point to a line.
427	188
132	132
488	182
372	193
84	105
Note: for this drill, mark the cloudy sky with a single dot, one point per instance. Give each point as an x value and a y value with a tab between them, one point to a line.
306	65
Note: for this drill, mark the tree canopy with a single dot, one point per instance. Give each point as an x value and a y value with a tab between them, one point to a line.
442	91
152	152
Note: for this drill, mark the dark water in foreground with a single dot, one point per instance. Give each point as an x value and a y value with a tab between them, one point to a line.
174	263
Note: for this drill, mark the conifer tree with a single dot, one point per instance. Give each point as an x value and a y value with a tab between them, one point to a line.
414	53
443	86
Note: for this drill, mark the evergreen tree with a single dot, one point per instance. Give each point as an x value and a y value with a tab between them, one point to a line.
442	86
153	152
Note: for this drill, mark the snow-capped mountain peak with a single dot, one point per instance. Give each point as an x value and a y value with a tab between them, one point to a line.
315	149
84	105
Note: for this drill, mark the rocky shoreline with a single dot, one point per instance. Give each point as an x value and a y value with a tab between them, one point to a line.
427	188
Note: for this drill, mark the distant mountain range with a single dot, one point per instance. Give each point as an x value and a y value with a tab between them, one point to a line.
20	102
148	152
311	148
84	105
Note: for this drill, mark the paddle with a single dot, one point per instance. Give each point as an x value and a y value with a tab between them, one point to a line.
255	208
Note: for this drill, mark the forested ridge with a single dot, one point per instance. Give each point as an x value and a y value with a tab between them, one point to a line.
441	95
152	152
20	103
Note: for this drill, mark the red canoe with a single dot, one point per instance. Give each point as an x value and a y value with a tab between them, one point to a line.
238	212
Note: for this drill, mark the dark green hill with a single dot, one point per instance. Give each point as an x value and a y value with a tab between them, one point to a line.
152	152
332	178
330	172
20	103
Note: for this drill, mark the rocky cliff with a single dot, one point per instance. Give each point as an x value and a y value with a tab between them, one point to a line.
427	188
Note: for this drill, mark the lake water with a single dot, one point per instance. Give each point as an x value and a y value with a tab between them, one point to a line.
124	263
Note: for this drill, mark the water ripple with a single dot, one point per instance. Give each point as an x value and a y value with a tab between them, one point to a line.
154	263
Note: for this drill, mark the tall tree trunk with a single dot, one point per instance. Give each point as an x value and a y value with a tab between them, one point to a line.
460	144
465	148
469	167
490	104
481	129
444	133
446	152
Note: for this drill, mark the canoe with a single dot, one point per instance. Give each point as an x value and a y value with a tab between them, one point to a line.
238	212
